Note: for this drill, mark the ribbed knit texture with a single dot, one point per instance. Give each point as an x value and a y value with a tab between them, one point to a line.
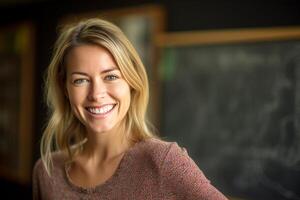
152	169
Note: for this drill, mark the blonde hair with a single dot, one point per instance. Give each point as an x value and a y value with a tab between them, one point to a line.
63	129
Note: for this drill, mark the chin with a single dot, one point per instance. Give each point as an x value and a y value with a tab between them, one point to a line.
100	130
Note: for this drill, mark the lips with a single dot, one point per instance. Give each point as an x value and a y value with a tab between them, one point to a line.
102	110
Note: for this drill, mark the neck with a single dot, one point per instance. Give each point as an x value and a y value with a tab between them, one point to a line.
101	147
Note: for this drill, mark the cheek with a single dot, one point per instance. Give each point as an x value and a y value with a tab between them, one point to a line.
123	95
75	96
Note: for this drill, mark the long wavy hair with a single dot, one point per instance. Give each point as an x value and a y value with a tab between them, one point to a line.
64	132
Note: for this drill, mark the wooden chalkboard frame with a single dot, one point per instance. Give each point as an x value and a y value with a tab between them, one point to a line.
229	36
188	38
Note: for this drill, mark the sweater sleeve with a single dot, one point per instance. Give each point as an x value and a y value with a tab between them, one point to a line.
183	179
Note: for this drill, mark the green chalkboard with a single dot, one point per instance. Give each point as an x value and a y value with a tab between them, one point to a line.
236	109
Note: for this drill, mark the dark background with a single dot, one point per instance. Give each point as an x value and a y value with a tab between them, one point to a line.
180	16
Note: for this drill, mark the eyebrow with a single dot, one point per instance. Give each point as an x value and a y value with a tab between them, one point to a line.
103	72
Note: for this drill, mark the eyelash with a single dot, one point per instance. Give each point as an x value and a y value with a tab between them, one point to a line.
81	81
111	77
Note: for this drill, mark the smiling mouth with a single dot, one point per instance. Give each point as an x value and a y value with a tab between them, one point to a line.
101	110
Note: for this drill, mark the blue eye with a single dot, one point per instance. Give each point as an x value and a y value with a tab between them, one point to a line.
111	77
80	81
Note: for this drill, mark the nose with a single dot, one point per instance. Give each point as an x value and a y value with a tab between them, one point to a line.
97	90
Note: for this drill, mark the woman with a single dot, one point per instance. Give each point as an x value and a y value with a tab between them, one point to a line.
97	90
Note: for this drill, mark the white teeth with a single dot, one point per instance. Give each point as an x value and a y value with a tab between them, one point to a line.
102	110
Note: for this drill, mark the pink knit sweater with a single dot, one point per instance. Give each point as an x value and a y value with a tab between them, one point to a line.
152	169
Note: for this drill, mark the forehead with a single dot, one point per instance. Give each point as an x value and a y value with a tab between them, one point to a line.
86	57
